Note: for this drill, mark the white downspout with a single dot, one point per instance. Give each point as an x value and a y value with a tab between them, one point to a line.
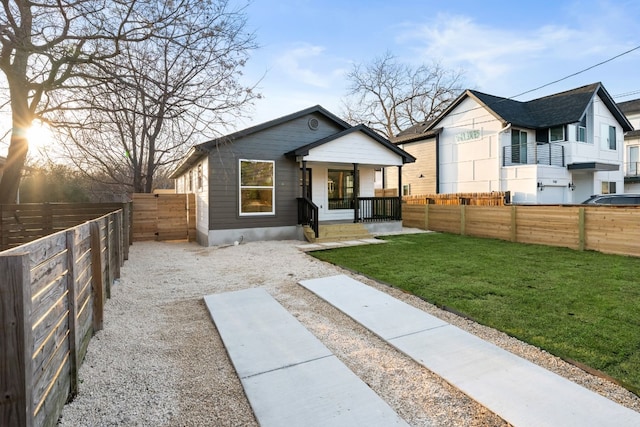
501	131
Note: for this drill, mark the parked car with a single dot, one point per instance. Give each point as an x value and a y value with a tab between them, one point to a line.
613	199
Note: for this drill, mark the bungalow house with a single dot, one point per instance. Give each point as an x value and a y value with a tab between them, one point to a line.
631	110
560	148
305	169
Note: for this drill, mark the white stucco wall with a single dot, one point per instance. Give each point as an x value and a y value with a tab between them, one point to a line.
469	150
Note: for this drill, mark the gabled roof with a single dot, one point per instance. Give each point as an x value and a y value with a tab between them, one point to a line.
304	150
198	151
553	110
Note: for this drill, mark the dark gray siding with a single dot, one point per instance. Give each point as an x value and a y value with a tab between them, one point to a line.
270	144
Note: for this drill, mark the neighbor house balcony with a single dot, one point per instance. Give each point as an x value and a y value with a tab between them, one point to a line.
632	169
533	153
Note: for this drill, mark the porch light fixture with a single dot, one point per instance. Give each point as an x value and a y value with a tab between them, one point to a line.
571	186
421	176
540	186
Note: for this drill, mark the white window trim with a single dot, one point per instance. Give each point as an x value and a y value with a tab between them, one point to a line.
273	189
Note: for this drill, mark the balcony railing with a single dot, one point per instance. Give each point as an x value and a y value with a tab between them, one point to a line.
378	209
308	214
632	169
533	154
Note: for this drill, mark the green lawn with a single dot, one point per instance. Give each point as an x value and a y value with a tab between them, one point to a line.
583	306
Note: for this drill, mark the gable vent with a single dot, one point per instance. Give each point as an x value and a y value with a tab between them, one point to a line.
313	123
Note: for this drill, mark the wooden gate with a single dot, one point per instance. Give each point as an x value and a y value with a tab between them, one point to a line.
164	217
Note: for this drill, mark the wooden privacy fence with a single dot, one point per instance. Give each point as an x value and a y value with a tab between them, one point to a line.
52	297
608	229
164	217
23	223
495	198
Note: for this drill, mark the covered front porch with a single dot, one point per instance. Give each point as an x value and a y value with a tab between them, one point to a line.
338	184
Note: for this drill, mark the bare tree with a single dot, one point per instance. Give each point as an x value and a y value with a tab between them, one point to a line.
47	44
390	96
181	83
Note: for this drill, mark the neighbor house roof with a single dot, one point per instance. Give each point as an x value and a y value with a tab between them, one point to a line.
553	110
198	151
630	107
304	150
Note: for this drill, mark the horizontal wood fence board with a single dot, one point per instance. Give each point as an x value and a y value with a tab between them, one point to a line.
613	230
58	308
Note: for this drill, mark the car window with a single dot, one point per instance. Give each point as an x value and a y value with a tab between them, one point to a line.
603	201
621	200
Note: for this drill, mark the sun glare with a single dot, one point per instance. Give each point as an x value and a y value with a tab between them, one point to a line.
39	137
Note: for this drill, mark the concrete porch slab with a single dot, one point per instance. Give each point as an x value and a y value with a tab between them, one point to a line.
289	376
522	393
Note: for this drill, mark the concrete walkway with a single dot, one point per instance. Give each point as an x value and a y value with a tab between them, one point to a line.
522	393
289	376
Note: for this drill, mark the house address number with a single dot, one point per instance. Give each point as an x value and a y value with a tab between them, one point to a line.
468	135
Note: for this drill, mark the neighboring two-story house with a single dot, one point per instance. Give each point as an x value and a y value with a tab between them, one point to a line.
560	148
631	110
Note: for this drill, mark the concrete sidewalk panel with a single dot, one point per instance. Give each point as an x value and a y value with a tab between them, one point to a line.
258	333
522	393
319	393
289	376
388	317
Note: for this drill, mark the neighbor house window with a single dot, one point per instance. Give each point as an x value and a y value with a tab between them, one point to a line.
340	189
608	187
518	146
257	192
406	190
200	176
190	181
556	133
608	137
581	130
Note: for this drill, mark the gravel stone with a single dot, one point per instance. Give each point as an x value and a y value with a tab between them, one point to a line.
159	361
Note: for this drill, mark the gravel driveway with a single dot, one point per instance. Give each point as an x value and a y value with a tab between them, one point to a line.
159	360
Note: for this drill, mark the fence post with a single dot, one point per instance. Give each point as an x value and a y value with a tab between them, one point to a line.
581	230
16	370
3	235
426	217
117	246
126	230
73	312
514	230
47	219
107	242
96	276
463	221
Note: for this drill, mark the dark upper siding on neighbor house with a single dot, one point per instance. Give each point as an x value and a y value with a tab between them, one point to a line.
269	144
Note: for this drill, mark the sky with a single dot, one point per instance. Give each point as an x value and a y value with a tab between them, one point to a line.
504	48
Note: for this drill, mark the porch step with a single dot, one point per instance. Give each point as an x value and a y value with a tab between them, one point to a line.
337	232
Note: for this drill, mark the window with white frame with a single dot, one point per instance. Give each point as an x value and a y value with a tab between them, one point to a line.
190	181
556	133
406	190
608	137
200	178
608	187
257	192
633	161
581	130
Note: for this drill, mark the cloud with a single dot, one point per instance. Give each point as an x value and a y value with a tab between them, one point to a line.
508	56
302	63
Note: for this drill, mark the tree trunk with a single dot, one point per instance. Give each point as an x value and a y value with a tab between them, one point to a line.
13	169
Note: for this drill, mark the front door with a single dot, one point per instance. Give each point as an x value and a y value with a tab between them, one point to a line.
340	189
